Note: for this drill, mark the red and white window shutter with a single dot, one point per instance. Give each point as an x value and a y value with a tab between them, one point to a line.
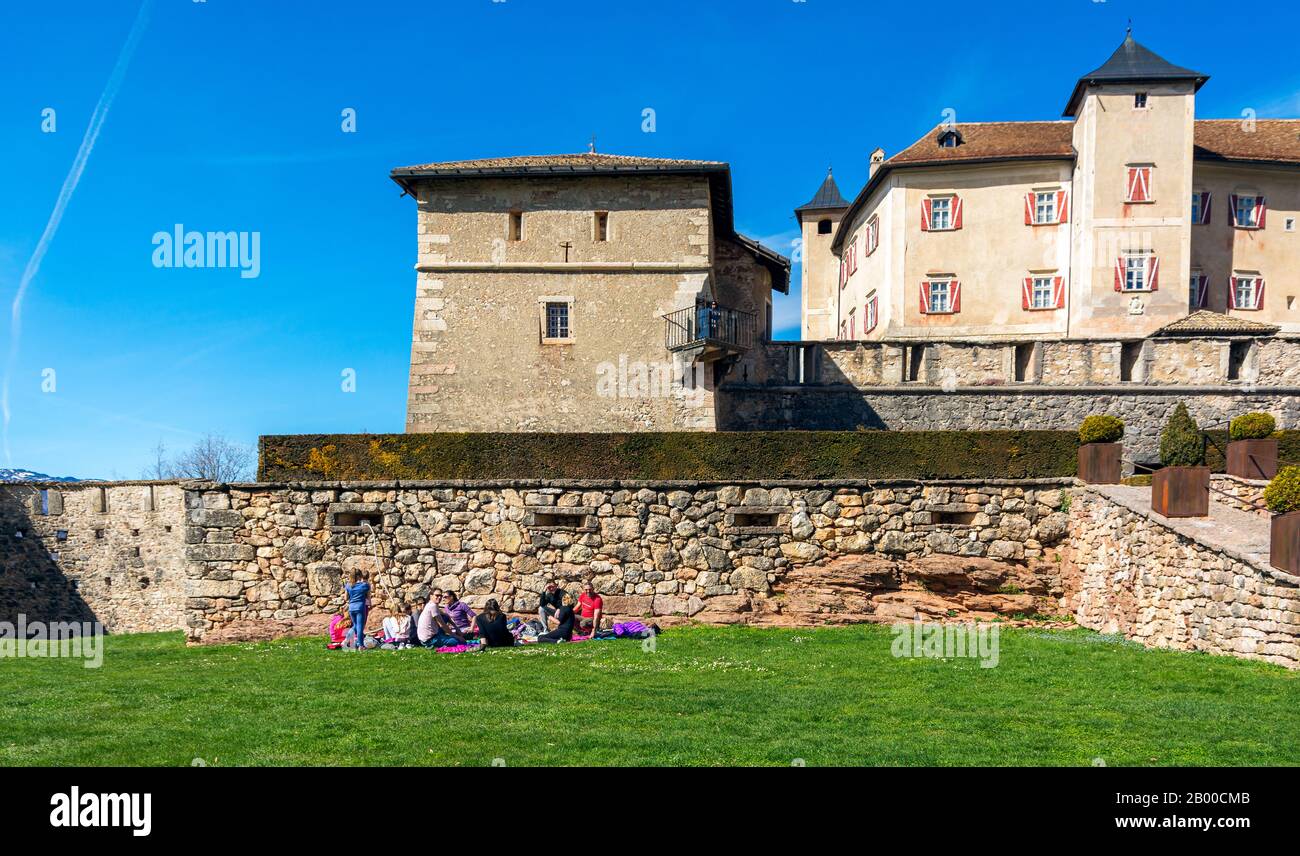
956	212
1031	203
954	296
1058	292
1259	293
925	298
1202	296
1258	213
1062	206
925	215
1153	273
1120	270
1139	184
1204	213
1027	293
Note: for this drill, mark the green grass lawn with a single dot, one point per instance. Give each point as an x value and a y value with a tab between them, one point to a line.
706	695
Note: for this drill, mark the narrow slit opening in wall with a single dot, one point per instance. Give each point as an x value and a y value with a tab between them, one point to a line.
45	502
356	519
602	225
153	505
742	519
101	500
516	229
61	535
559	520
1024	361
912	366
1129	354
1238	353
954	518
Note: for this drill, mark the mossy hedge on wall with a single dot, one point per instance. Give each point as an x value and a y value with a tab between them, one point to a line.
750	455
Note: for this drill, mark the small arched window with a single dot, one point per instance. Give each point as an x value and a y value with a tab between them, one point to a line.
823	227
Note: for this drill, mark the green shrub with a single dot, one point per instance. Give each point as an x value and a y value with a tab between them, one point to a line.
1252	426
1181	443
1283	493
1101	428
652	456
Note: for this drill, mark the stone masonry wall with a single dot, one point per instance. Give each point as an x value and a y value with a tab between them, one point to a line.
686	550
85	552
967	385
1242	494
1133	573
1145	410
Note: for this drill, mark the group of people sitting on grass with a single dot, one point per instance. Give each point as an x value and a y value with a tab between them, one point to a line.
446	623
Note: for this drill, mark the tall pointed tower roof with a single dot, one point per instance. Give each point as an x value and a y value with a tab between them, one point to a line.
827	198
1132	63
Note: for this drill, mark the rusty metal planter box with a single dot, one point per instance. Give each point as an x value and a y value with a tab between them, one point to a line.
1099	463
1181	491
1284	542
1252	459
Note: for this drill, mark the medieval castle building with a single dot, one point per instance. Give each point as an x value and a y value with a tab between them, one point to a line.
1013	274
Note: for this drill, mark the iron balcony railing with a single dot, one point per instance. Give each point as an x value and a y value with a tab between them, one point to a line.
705	325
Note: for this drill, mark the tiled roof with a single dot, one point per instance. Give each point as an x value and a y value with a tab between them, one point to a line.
1132	62
1271	140
558	163
828	196
981	142
1204	322
985	140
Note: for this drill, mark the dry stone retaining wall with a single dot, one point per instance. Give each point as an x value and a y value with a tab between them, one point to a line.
673	550
1136	573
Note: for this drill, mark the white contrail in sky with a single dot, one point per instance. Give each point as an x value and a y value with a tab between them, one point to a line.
61	204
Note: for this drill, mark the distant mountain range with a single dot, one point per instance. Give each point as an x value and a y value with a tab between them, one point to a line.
11	476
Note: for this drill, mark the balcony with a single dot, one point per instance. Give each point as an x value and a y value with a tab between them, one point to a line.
710	332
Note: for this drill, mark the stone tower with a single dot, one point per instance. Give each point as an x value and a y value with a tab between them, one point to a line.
819	267
1133	129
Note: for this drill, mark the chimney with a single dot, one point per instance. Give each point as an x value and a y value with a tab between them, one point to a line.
877	158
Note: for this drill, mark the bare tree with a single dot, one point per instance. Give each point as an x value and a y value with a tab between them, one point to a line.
160	468
214	458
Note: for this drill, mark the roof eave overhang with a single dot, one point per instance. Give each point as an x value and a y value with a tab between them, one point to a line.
817	209
1071	106
837	242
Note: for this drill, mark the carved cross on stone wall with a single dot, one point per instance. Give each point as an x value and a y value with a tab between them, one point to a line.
567	245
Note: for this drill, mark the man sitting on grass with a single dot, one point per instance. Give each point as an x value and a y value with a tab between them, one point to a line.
458	613
590	607
433	629
549	603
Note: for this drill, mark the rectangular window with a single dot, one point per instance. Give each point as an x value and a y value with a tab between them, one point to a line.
873	311
602	225
853	323
1045	207
1135	273
1197	290
940	296
873	235
1139	100
940	214
1200	207
1247	211
557	320
516	227
1246	291
1043	295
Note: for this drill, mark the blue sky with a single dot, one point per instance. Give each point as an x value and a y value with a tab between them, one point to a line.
229	118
